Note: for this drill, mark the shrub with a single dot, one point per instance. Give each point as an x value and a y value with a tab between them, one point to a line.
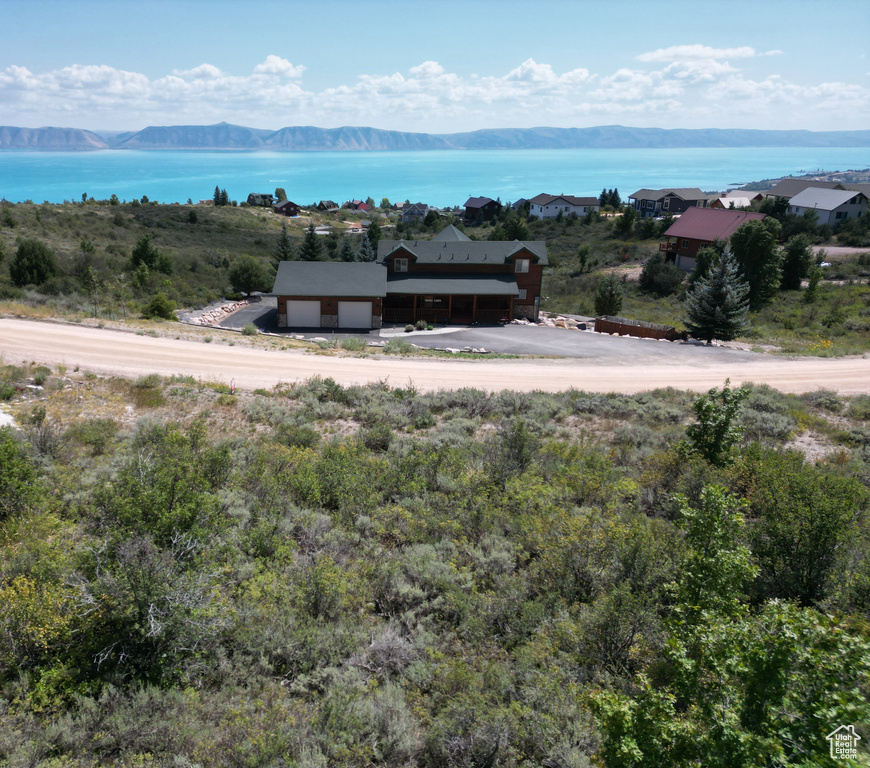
250	330
398	347
421	325
660	277
408	328
95	434
161	307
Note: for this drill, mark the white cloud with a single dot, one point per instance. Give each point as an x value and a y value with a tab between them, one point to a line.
691	86
275	65
696	53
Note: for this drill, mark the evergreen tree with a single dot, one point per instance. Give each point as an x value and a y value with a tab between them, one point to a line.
247	275
283	249
796	263
603	198
625	223
225	198
758	258
346	252
33	263
705	259
614	199
716	305
374	233
608	297
217	195
311	249
366	251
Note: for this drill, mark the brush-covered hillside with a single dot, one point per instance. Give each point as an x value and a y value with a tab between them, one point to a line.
329	576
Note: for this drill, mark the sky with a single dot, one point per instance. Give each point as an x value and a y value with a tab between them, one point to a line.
436	66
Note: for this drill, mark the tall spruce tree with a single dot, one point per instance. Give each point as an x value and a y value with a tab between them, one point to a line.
311	249
346	252
366	250
283	249
717	305
796	263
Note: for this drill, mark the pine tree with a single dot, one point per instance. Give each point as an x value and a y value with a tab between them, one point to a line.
366	251
217	195
283	249
225	198
603	198
716	306
608	297
346	253
614	199
311	249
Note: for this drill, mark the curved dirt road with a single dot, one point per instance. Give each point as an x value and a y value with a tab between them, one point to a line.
126	354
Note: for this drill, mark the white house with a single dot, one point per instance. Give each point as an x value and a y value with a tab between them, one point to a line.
831	206
550	206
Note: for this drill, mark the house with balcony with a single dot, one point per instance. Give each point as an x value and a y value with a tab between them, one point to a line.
651	203
449	279
698	228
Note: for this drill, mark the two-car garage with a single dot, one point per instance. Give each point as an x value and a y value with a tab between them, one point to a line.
346	295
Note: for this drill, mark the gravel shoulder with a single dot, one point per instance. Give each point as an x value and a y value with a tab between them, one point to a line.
111	352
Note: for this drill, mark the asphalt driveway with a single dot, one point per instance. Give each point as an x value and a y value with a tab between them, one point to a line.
508	339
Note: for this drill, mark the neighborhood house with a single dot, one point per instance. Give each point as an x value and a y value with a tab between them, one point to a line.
658	202
449	279
830	206
697	228
550	206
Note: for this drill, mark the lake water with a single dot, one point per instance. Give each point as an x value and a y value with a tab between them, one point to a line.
440	178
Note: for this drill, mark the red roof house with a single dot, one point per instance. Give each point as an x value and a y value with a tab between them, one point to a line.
698	228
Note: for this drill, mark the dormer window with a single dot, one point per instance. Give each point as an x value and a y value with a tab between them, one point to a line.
400	265
522	266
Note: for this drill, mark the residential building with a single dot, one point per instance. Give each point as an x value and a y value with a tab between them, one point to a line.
698	228
286	208
261	199
658	202
414	212
550	206
831	206
449	279
481	209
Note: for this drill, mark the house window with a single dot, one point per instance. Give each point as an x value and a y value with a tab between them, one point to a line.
522	265
400	265
685	243
666	204
841	214
522	293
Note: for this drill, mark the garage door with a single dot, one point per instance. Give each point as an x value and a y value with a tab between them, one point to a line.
303	314
354	314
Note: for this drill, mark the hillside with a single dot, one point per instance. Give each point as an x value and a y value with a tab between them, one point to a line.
320	575
224	136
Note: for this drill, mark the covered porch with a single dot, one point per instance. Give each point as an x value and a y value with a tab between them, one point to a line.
444	299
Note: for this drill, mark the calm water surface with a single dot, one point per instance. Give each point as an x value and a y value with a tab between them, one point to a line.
439	178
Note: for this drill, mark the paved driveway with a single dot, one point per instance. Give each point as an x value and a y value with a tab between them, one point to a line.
508	339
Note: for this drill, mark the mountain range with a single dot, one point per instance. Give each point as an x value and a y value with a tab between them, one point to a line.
225	136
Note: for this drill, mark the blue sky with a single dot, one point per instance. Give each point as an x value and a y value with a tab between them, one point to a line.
436	66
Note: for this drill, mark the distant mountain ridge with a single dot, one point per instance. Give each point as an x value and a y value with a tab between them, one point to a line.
225	136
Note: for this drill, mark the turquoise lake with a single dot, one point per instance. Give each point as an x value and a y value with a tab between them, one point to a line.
441	178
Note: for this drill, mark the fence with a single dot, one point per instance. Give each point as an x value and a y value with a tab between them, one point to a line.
625	327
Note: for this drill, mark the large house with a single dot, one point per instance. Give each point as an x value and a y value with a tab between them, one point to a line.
830	206
481	209
550	206
698	228
414	212
658	202
449	279
286	208
264	199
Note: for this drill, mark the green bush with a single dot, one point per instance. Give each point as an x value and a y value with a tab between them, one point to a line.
160	306
250	329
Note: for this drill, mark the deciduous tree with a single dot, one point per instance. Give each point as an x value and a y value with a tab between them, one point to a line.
758	258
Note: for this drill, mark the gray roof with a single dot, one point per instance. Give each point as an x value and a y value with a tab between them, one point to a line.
470	252
684	193
317	278
823	199
435	283
451	235
478	202
545	199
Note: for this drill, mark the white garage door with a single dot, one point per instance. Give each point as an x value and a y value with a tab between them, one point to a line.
303	314
354	314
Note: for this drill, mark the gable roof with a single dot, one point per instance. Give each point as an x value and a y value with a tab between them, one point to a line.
422	283
790	187
451	234
739	202
684	193
823	199
317	278
478	202
463	252
709	224
545	199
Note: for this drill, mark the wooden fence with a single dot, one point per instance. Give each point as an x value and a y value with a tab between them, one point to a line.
625	327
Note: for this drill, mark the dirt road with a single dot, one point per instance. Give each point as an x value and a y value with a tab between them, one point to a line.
111	352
